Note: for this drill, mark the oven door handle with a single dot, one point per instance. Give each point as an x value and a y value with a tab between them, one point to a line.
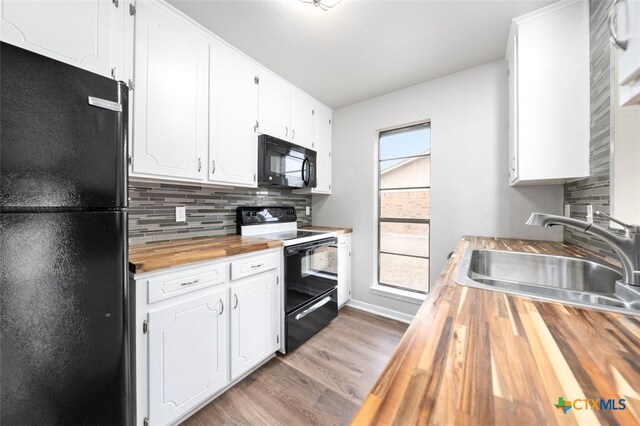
310	245
312	308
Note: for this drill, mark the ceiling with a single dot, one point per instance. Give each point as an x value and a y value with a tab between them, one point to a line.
361	48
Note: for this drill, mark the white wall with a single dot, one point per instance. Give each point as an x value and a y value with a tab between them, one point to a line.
470	191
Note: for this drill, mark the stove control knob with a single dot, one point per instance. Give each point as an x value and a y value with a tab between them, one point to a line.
253	213
248	213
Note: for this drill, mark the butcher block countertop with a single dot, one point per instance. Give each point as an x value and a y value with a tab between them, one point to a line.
154	256
338	231
479	357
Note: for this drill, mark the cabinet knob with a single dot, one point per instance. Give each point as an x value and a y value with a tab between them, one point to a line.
286	131
293	133
235	301
221	307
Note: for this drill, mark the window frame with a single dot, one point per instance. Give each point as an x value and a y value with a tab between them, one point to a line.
381	286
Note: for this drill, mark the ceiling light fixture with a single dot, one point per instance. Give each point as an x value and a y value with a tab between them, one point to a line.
323	4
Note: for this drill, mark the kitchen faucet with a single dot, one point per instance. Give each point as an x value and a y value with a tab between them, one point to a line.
626	246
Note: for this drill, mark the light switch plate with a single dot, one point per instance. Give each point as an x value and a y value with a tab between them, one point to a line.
590	213
181	214
567	210
308	210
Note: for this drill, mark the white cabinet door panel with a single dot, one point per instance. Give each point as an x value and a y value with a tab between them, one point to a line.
322	146
187	355
273	109
255	321
233	142
171	96
79	33
302	118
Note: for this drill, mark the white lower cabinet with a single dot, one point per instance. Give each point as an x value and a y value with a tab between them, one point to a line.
188	345
344	269
255	324
197	331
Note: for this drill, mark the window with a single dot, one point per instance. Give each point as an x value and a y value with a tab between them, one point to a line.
404	207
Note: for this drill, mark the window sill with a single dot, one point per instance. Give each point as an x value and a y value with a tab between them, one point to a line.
399	294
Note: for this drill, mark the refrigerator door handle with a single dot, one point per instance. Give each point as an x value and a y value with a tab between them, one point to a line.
103	103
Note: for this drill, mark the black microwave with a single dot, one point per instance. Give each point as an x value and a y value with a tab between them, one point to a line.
282	163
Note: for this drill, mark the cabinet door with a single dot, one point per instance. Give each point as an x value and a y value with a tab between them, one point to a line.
171	105
344	269
302	119
255	319
273	108
80	33
233	139
188	349
322	145
513	110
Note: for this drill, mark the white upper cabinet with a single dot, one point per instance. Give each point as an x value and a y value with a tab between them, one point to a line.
548	55
302	119
171	106
255	321
273	109
188	347
322	145
233	141
284	112
625	23
87	34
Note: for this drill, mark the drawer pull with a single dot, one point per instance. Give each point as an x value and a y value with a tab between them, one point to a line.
313	308
260	265
188	283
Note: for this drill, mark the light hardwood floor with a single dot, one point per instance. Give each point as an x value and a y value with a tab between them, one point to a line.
322	383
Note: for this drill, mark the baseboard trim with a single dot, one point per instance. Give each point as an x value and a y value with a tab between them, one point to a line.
378	310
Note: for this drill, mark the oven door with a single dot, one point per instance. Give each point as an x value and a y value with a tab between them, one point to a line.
285	164
310	271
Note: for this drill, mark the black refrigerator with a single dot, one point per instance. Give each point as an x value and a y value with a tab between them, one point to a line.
63	192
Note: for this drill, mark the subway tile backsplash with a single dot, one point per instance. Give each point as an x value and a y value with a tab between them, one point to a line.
595	189
210	211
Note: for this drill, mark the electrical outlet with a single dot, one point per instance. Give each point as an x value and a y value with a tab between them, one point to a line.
567	210
181	214
308	210
590	213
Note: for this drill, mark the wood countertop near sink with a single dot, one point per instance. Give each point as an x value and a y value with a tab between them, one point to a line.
338	231
479	357
154	256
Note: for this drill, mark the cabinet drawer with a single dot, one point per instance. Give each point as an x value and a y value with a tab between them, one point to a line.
254	265
173	285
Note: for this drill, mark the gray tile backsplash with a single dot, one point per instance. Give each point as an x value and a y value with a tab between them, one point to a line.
595	189
210	211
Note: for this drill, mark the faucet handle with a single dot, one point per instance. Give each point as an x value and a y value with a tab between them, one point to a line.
627	228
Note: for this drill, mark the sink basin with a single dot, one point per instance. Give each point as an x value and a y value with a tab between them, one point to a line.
567	280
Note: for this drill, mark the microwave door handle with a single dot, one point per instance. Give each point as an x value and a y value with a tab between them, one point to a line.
306	172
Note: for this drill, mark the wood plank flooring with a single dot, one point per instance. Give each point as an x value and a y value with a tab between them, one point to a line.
322	383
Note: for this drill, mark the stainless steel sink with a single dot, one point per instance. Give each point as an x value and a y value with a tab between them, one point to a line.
561	279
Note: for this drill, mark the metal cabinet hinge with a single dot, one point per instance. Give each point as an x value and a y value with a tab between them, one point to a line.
128	159
145	327
329	121
254	177
329	154
256	80
329	186
145	422
256	126
313	112
114	73
277	280
132	9
116	3
277	339
131	85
